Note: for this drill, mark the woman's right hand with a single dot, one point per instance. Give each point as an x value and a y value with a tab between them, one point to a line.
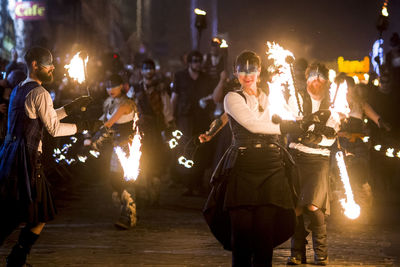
204	138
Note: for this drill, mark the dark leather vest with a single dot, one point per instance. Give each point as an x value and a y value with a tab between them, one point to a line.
19	124
241	137
307	110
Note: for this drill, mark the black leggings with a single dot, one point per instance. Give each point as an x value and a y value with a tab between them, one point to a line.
252	235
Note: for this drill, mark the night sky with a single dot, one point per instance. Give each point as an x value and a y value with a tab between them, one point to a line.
315	29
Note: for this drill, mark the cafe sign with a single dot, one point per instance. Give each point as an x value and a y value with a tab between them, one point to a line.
30	10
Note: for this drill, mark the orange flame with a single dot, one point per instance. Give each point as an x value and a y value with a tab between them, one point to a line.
77	68
130	164
351	208
282	77
338	95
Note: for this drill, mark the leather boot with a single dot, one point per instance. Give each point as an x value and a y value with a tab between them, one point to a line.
17	257
127	217
319	238
298	244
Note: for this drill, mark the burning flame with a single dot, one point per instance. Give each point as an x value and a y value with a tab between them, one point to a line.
332	75
398	154
366	77
351	208
378	147
224	44
385	11
130	164
77	68
282	77
338	97
198	11
376	82
365	139
390	152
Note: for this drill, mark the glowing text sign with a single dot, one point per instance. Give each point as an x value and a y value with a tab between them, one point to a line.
30	10
353	66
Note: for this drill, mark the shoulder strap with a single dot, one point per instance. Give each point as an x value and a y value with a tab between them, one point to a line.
240	92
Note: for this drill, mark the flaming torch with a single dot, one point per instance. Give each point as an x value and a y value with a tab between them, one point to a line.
281	78
338	97
340	107
77	69
351	208
130	164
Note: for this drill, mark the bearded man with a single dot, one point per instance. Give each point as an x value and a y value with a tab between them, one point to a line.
25	195
311	153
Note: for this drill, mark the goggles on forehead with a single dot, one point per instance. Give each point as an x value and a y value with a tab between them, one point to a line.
247	69
315	74
147	67
196	60
46	61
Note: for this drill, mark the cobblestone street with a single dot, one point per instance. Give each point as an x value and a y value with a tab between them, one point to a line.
175	234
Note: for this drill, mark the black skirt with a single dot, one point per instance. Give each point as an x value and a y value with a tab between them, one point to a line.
40	209
313	182
255	178
258	178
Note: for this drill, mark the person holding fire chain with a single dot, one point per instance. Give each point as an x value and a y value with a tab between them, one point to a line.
25	195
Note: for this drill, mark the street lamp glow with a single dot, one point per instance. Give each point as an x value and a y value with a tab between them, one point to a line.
199	12
224	44
385	11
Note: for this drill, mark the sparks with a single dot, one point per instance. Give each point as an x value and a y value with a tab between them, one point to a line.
378	147
390	152
77	68
365	139
172	143
351	208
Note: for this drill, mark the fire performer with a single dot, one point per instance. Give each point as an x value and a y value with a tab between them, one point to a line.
24	191
352	140
311	154
155	116
250	208
118	118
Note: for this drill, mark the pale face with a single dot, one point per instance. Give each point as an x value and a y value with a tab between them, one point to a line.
115	92
248	76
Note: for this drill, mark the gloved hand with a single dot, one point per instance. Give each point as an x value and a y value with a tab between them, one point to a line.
291	127
329	132
77	105
384	125
102	136
95	127
320	116
311	138
82	126
91	126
